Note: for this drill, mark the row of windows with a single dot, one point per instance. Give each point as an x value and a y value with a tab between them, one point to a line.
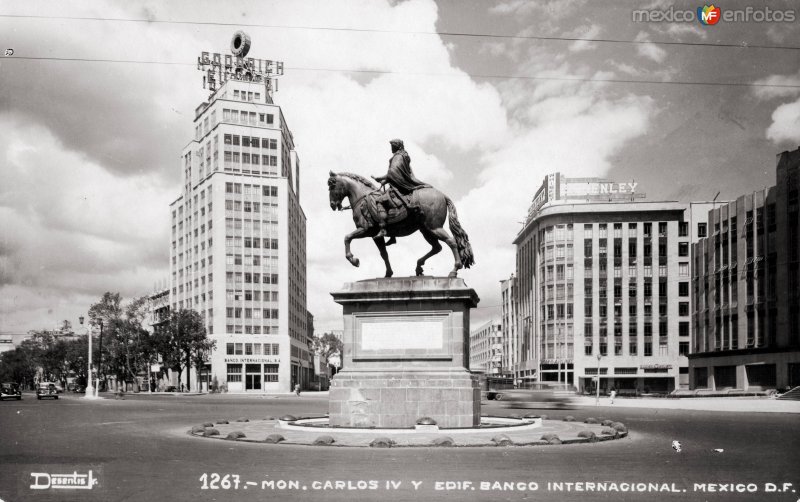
250	278
246	95
236	313
252	349
647	229
250	243
248	118
270	373
250	141
237	188
633	329
633	350
249	329
254	159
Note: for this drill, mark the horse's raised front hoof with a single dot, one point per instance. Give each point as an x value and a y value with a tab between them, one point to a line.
356	262
418	271
389	273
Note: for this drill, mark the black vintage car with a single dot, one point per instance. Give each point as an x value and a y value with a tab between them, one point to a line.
46	389
10	390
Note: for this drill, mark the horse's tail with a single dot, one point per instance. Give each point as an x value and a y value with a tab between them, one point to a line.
462	241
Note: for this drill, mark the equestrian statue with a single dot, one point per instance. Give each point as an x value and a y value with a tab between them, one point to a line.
407	205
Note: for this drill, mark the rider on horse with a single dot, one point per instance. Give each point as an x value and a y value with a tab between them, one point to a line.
400	177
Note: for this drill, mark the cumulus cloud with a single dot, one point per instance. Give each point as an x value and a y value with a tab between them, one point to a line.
781	87
785	123
648	50
72	228
584	31
92	165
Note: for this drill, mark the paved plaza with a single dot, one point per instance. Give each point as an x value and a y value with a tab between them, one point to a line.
139	448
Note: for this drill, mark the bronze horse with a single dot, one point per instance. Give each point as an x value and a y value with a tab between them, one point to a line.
433	208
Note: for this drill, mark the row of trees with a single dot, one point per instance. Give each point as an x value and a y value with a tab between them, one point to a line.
123	349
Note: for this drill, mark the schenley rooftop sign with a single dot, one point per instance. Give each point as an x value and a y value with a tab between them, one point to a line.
557	187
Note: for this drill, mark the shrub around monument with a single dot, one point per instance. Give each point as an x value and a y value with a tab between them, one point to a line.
591	420
198	429
210	432
569	418
502	440
269	417
324	441
208	424
235	435
274	438
382	442
242	419
609	432
222	421
591	436
426	421
551	438
606	423
288	418
443	441
619	426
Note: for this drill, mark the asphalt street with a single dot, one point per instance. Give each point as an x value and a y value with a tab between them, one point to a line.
139	449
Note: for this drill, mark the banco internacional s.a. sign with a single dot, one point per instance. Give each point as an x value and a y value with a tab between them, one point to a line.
557	187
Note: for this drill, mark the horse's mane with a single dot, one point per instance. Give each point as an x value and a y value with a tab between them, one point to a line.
361	179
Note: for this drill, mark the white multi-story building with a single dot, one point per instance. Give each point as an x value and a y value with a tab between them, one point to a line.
238	250
486	348
603	286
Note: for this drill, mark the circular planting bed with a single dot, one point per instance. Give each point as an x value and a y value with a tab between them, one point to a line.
493	432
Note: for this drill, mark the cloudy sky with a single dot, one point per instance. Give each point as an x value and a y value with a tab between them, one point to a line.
97	101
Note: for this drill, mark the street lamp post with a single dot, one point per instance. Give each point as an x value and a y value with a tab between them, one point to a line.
89	388
597	385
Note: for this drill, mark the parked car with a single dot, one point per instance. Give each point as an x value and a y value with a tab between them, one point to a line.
46	389
10	390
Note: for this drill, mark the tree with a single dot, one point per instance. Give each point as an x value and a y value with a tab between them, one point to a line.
129	348
18	365
184	340
106	315
327	346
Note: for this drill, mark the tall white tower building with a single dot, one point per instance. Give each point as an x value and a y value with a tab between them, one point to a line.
238	250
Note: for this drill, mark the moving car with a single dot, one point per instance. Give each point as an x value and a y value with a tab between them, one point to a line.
540	395
10	390
46	389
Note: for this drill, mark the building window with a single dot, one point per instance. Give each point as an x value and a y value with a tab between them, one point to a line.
683	249
683	308
683	328
234	373
648	349
683	229
229	349
683	269
702	231
270	372
683	348
683	289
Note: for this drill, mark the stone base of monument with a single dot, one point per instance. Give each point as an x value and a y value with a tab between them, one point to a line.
393	400
406	354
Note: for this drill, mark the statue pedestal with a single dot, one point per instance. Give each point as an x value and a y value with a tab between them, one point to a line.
406	354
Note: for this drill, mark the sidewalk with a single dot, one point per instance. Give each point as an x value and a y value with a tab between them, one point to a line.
741	404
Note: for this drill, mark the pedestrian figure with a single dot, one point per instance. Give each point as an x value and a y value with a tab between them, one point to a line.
297	389
613	395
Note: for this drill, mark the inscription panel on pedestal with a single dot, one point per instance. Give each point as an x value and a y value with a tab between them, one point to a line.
407	336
